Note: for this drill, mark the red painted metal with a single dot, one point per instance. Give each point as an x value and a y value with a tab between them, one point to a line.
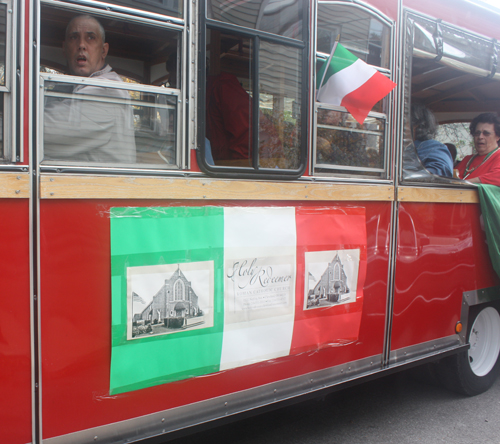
461	13
441	253
76	312
389	8
15	337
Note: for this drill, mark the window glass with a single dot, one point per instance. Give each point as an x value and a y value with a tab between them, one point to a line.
342	145
280	111
90	123
360	32
451	91
282	17
172	8
3	41
228	126
452	43
229	102
2	149
118	105
9	150
136	50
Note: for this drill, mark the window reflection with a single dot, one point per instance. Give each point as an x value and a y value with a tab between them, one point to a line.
282	17
3	41
343	142
172	8
125	114
229	102
279	127
2	150
108	125
362	34
342	145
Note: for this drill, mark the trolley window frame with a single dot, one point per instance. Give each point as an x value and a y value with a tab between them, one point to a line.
256	36
146	20
11	152
446	44
357	172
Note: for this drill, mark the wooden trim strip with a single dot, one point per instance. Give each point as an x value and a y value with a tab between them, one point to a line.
128	187
437	195
14	185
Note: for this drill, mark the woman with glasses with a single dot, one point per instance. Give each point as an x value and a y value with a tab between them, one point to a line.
484	165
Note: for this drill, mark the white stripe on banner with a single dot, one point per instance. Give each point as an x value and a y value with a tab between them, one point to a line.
345	82
259	266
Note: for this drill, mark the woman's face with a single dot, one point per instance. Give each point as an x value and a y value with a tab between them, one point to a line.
485	139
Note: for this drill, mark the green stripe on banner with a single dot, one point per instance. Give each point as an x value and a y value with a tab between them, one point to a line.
166	250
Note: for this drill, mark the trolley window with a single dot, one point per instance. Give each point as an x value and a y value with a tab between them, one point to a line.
125	113
342	145
452	74
8	152
254	104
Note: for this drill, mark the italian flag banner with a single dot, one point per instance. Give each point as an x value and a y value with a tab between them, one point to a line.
344	80
197	290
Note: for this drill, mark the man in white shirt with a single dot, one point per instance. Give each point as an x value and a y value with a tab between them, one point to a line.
78	127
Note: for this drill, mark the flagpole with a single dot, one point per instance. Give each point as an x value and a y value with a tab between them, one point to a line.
328	63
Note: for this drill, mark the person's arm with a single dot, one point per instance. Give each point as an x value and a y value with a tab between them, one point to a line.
489	174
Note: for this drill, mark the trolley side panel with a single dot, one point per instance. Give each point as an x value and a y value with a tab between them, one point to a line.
76	321
15	371
441	253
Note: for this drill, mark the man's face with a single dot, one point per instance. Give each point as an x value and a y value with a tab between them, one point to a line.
485	139
83	48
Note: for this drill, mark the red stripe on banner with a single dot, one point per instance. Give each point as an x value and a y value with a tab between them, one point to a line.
332	231
362	100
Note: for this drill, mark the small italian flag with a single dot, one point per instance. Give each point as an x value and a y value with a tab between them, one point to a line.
351	83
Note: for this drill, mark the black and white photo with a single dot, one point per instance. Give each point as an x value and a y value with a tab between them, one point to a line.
164	299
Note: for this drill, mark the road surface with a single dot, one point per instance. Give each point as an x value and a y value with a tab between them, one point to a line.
395	409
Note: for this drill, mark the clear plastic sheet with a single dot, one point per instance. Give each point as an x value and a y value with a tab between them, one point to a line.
102	123
456	44
198	290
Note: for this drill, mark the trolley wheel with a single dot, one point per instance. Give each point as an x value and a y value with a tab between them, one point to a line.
474	371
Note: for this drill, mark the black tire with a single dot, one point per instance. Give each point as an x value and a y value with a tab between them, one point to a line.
474	371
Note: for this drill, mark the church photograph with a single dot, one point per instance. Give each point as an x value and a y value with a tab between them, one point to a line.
169	298
331	278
